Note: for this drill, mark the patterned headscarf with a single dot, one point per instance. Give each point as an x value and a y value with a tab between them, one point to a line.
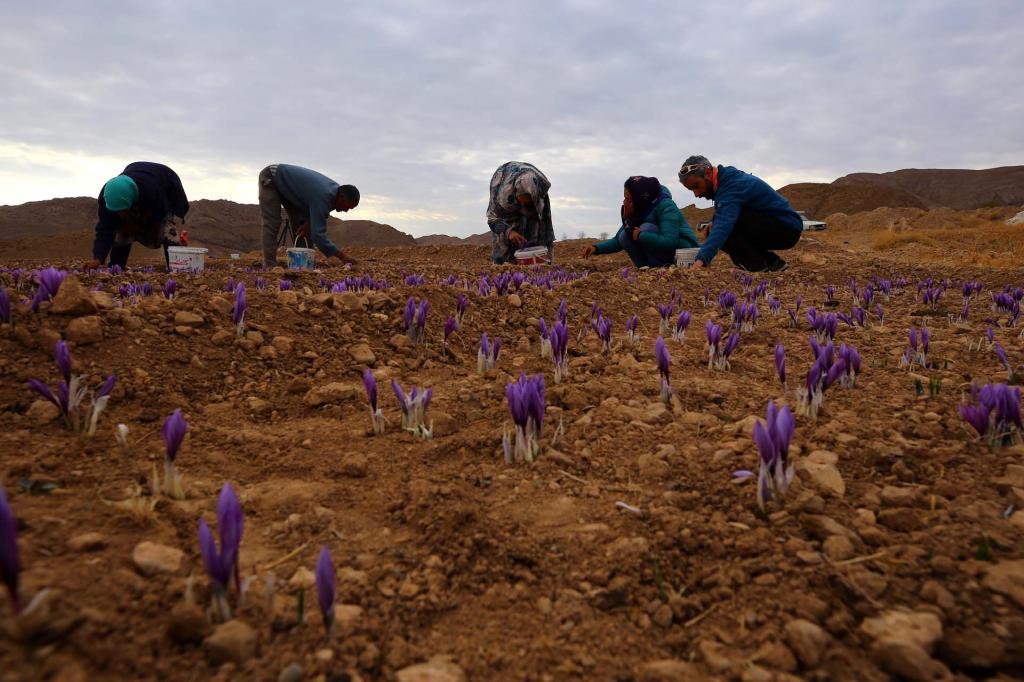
645	192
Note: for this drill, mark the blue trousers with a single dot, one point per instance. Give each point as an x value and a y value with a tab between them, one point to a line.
642	255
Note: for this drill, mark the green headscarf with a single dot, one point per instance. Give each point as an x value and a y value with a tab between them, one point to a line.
120	193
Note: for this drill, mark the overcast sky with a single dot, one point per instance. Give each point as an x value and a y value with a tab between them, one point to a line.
417	103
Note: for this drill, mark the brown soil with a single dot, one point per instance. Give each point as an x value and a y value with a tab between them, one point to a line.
528	571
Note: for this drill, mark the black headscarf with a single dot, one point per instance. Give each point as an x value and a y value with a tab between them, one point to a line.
645	192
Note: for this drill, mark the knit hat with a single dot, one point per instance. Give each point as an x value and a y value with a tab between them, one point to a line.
120	193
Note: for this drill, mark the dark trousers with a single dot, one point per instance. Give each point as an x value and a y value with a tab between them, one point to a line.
641	255
754	238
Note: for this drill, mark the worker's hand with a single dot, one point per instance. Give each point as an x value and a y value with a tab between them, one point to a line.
92	265
516	238
589	250
302	231
697	265
636	234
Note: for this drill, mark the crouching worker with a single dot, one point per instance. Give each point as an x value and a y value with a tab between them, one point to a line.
519	211
751	221
139	205
308	198
652	228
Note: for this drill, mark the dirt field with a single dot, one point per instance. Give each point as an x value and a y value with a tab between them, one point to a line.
897	552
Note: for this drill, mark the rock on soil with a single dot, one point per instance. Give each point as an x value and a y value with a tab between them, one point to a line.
188	624
437	669
153	559
233	641
41	412
670	670
808	641
85	330
73	298
1007	578
87	542
333	393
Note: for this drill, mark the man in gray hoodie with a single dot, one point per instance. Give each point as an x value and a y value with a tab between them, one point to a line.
308	198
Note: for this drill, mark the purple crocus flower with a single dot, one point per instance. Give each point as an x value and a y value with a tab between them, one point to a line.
450	325
780	362
230	525
526	404
414	407
604	332
285	285
682	322
43	390
978	416
238	312
5	306
461	303
215	570
376	415
559	339
10	566
772	437
173	432
563	311
62	356
325	588
50	280
170	286
661	356
879	313
1005	361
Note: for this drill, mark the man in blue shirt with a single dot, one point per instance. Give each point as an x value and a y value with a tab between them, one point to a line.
308	198
751	220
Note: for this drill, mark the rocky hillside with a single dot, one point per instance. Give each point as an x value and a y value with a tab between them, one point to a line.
223	226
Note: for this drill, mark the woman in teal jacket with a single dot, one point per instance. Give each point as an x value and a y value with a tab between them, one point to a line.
652	229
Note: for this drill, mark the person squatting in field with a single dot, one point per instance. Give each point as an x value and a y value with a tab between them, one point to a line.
751	219
139	205
652	228
308	198
519	211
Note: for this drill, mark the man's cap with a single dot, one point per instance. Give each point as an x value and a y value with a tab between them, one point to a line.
120	193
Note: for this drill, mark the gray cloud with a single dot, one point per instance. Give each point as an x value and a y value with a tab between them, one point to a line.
418	103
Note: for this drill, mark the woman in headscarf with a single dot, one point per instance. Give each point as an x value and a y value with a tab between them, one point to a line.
139	205
652	228
519	211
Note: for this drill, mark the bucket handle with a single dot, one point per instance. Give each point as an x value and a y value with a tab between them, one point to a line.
305	239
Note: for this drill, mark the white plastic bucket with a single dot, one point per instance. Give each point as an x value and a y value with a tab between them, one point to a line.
186	258
236	256
685	257
301	258
534	255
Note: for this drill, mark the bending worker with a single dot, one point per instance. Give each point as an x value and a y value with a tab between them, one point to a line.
751	220
652	228
519	211
308	198
139	205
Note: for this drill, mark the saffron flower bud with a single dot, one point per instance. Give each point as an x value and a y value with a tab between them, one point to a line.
663	359
238	312
10	566
173	432
527	406
325	589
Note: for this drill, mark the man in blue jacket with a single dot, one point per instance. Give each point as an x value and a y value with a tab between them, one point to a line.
139	205
308	198
751	220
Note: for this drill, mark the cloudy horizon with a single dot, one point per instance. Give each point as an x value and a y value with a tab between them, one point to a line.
417	104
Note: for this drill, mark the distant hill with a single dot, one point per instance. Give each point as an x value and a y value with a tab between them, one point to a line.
442	239
922	188
952	188
220	225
